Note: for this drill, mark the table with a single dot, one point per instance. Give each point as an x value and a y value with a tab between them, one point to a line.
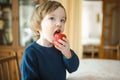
96	69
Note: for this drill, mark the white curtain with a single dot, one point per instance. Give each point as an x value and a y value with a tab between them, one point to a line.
73	24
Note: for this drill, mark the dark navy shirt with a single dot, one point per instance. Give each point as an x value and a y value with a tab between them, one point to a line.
46	63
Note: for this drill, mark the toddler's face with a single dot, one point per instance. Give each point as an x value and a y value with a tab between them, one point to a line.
52	23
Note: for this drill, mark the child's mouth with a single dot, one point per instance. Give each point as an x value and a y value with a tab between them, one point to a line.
57	31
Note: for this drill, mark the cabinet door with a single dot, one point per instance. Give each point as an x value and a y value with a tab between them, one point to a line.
6	37
111	23
111	28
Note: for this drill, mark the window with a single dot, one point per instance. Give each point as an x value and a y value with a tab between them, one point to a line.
91	22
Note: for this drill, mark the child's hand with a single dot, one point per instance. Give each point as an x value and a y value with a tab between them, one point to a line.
64	47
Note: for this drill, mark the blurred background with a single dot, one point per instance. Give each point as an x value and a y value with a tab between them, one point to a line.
92	27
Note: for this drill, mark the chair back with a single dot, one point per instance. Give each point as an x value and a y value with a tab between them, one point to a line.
9	67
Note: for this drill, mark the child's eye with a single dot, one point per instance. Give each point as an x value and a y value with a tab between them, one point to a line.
63	20
51	18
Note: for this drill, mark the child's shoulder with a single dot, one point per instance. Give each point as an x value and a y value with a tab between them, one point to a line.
30	50
30	46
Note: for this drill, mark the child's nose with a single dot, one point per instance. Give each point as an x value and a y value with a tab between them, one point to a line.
58	24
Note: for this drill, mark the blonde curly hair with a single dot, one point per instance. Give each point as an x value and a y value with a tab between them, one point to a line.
39	13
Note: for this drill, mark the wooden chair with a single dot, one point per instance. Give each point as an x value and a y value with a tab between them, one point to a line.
115	48
92	48
9	68
112	49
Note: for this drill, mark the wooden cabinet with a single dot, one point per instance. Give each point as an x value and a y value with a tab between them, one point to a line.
14	26
9	29
110	39
5	22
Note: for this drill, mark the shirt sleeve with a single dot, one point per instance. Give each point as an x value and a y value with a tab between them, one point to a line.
28	66
72	63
